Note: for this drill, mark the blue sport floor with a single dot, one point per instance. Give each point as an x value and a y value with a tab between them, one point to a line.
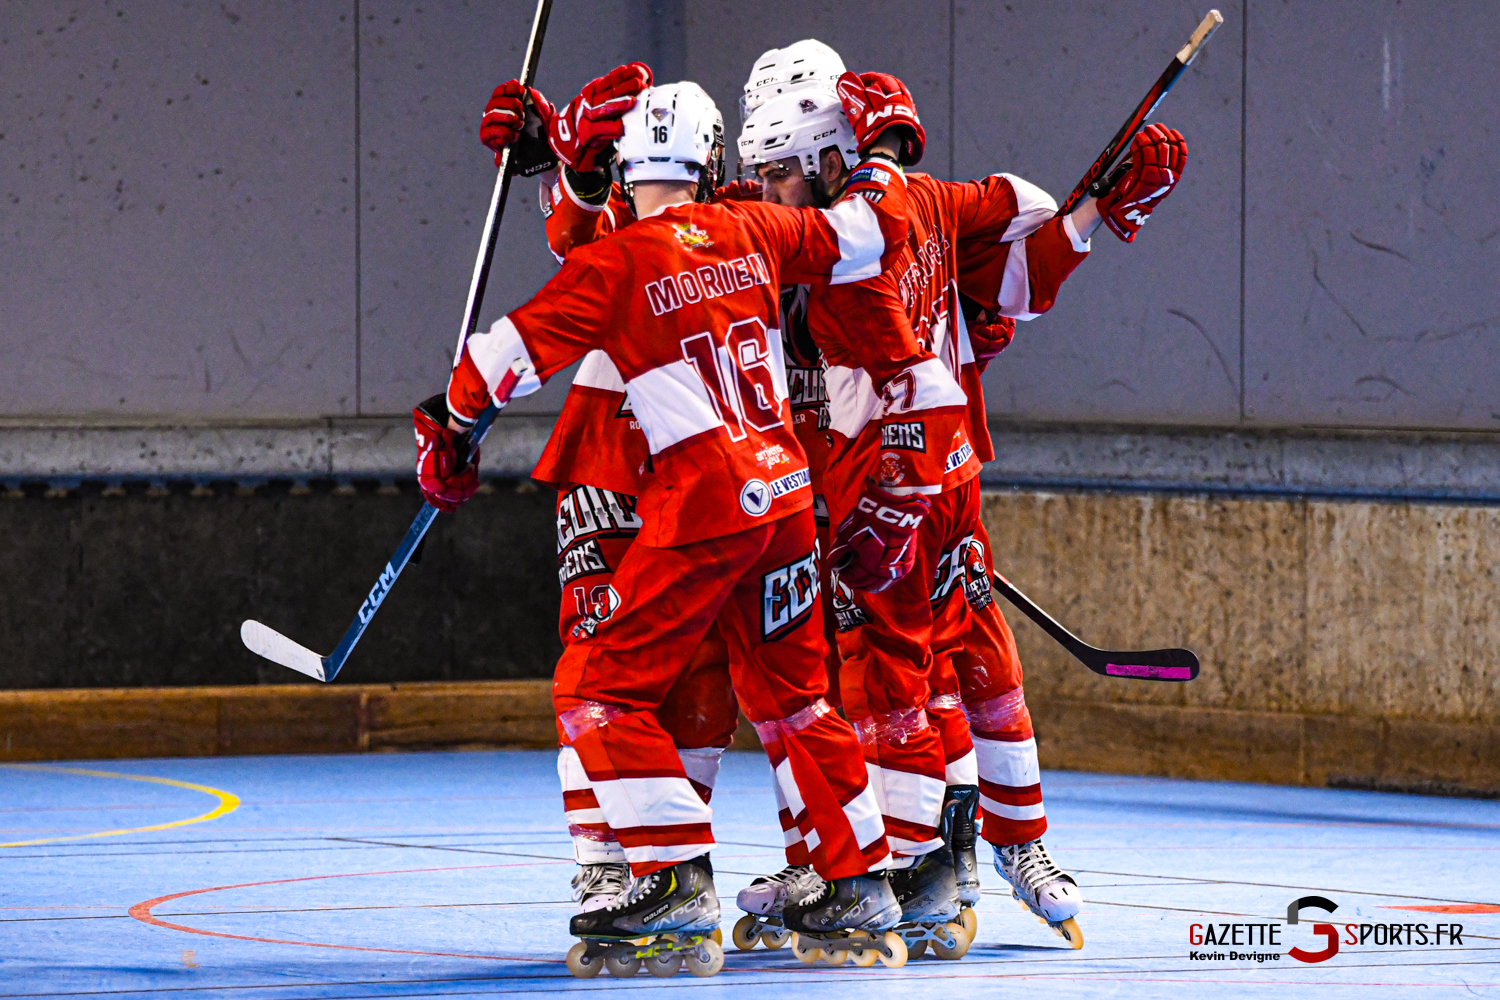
446	875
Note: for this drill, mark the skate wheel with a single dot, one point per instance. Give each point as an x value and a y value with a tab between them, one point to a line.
970	921
957	945
706	959
665	965
893	954
623	966
775	939
835	956
1070	932
865	958
718	936
807	952
916	950
579	963
744	934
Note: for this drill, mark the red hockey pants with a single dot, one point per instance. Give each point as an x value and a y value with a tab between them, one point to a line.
761	588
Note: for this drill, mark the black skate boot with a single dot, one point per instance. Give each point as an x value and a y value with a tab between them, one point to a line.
848	918
763	901
928	893
959	831
659	920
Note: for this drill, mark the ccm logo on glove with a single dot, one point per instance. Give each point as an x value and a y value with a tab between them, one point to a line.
889	515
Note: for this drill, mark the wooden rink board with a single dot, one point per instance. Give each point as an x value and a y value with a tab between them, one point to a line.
1161	740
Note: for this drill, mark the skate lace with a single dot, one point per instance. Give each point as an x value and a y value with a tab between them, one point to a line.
597	880
1031	865
636	890
788	876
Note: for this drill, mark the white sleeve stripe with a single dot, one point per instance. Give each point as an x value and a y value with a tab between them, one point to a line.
598	372
499	350
1015	285
1080	245
906	491
861	243
1033	207
852	400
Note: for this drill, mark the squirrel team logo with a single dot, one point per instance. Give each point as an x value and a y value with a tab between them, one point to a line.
691	236
891	470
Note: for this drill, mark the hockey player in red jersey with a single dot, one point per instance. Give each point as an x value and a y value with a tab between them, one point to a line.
683	304
1024	252
596	458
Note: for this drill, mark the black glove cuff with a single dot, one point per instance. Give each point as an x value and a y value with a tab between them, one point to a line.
591	188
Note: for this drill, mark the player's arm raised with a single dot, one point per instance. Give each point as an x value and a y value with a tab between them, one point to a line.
514	357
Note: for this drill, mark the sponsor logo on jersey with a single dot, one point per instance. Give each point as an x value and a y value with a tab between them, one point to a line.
708	281
958	457
791	482
907	436
872	174
891	469
691	236
773	455
587	511
847	616
603	603
583	559
805	388
755	497
963	567
875	197
788	595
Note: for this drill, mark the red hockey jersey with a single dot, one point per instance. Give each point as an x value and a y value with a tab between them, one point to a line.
685	304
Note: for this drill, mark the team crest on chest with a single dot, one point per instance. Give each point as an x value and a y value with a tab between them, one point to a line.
691	236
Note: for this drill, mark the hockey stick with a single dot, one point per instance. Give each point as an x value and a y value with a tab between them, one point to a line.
1147	665
1095	182
266	641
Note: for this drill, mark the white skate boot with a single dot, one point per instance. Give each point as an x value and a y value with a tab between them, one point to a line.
1039	885
596	886
763	901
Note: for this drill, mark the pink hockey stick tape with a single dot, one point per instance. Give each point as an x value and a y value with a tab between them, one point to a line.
1142	670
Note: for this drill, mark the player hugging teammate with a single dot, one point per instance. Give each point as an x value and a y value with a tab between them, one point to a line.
759	360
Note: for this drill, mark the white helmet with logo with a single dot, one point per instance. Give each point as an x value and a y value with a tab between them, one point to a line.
802	123
674	133
780	71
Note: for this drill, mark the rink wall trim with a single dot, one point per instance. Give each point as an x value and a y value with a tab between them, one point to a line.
1442	466
1407	755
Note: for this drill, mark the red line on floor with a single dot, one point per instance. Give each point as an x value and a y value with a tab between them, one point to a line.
1451	908
142	912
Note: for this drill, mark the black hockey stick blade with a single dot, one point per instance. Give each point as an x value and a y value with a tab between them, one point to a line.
1143	110
271	644
1145	665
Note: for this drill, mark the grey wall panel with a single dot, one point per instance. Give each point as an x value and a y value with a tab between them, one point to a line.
1373	216
426	72
178	205
1146	332
910	40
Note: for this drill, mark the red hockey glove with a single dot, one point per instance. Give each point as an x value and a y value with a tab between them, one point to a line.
591	121
745	190
1157	156
509	112
988	336
445	479
873	547
874	102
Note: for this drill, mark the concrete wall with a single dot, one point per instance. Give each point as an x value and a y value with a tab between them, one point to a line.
260	210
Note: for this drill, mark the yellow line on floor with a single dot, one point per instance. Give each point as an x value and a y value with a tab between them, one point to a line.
228	803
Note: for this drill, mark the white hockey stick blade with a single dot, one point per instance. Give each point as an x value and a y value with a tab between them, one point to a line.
262	640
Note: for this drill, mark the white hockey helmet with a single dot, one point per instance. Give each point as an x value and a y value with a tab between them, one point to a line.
779	71
674	133
802	123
